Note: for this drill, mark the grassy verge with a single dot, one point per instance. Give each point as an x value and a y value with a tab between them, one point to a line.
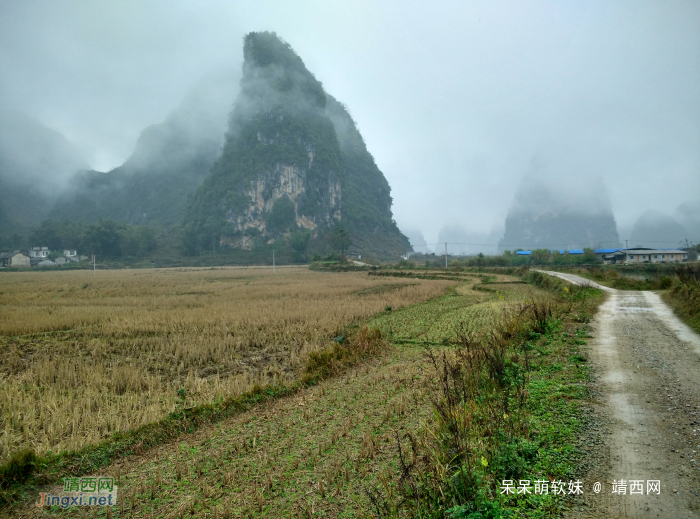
508	410
684	296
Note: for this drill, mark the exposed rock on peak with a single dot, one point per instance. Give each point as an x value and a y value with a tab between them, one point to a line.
293	159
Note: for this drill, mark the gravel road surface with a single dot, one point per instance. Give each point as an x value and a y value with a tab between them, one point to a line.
646	372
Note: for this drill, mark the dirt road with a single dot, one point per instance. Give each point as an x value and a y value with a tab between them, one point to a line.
646	367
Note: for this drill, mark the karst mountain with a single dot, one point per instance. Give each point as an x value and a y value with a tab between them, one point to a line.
293	161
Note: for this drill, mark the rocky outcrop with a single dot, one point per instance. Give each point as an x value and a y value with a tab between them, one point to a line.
293	160
283	182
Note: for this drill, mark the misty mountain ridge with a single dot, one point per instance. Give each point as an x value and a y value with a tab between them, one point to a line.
35	162
170	160
547	215
658	230
293	162
688	215
417	241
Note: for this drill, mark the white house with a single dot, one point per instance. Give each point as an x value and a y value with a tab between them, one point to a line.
39	252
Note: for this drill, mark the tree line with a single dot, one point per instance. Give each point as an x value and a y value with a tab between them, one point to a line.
105	238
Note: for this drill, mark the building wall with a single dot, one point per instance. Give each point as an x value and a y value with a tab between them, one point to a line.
658	257
18	260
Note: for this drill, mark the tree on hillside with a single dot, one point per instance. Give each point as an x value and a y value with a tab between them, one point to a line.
341	239
281	216
46	235
299	242
137	240
103	238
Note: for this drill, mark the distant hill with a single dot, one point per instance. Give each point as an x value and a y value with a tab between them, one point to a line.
546	216
688	215
293	162
34	161
657	229
169	162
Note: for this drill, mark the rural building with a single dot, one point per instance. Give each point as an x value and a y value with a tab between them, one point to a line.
63	260
14	259
601	253
37	257
39	252
642	255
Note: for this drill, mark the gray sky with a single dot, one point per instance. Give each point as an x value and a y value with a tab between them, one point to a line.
456	100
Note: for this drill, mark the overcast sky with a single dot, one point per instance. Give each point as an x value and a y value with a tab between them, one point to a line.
456	100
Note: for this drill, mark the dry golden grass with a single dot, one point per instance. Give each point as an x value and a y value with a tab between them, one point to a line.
82	357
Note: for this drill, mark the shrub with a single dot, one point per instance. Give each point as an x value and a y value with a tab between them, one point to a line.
544	281
480	426
684	295
18	468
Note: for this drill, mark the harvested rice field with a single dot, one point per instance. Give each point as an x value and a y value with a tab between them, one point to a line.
83	356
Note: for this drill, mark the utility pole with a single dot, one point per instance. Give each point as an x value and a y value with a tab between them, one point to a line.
445	254
626	246
93	265
273	261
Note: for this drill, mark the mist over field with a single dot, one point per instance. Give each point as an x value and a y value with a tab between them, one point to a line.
472	111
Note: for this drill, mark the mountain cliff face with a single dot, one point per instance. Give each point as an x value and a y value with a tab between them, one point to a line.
169	162
293	160
545	217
